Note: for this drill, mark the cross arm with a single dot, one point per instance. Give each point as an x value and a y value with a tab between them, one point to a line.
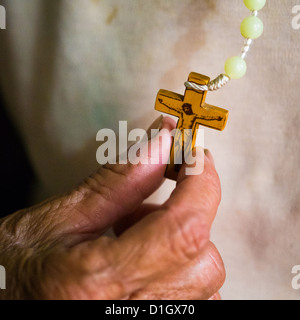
213	117
169	102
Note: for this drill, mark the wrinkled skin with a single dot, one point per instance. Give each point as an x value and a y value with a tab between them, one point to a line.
57	250
86	64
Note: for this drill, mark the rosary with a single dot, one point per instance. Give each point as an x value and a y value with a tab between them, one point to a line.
191	108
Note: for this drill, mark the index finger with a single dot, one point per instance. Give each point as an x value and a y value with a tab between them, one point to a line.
168	238
198	194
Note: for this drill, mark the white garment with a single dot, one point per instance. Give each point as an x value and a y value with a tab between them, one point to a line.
72	67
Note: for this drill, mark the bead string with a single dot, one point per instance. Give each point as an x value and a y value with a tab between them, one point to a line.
235	67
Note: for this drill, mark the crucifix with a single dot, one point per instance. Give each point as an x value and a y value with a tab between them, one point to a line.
192	111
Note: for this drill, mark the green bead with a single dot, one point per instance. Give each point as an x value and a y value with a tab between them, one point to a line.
252	27
235	67
254	4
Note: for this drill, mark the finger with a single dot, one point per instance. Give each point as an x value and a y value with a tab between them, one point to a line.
168	238
199	280
216	296
198	193
110	193
116	190
145	209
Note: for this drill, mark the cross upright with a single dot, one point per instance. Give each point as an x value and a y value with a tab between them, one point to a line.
192	112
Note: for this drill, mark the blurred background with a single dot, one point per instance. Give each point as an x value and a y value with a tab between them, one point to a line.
69	68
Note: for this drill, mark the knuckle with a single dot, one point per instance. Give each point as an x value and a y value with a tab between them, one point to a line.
90	256
97	182
189	237
81	273
110	183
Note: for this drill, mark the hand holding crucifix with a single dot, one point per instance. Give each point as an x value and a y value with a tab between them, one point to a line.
192	112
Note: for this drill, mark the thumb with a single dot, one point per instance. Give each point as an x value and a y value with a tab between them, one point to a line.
116	190
102	199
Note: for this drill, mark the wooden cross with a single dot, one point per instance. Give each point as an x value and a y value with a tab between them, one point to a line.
192	112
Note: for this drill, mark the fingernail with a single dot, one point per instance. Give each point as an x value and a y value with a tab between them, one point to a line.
209	156
155	127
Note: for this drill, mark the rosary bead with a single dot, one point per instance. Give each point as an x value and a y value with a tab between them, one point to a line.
235	67
254	4
252	27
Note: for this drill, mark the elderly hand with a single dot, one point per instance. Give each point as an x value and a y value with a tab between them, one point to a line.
56	250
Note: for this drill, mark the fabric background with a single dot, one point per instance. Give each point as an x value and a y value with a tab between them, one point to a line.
72	67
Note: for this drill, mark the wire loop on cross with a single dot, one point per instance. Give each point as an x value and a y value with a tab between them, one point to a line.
214	85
